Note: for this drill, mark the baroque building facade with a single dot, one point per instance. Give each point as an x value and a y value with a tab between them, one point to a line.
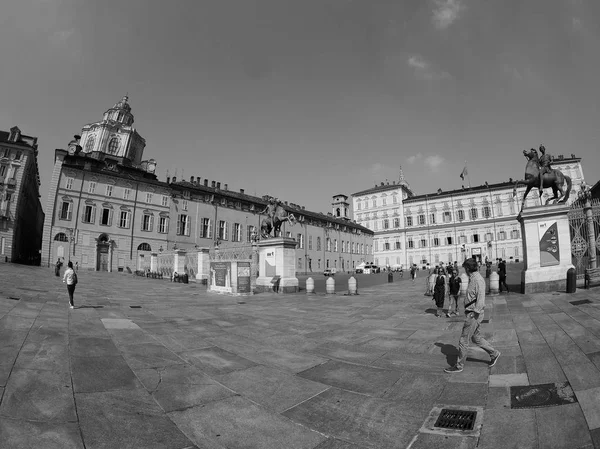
449	226
108	211
21	214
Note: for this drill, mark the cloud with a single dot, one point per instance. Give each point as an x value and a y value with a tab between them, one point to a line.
434	162
424	69
414	158
446	12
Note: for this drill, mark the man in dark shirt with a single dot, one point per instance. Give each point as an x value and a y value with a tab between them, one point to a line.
502	275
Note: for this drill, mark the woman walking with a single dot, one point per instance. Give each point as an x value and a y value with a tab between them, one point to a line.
439	292
70	278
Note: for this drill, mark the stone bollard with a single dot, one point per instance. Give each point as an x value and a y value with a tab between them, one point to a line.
310	285
352	290
464	282
494	284
330	285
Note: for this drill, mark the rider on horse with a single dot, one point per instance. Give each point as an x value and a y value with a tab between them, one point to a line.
544	162
270	210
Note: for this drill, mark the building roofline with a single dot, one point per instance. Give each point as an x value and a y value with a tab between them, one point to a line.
384	188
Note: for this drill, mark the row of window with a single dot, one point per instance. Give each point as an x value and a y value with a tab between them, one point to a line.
109	191
502	253
448	240
365	204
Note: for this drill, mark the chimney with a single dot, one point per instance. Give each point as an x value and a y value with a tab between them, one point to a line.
213	184
225	187
218	185
192	179
206	182
242	191
174	179
198	180
168	180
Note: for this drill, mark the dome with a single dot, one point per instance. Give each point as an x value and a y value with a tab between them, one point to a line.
123	104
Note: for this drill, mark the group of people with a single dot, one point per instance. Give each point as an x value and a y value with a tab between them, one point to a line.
443	285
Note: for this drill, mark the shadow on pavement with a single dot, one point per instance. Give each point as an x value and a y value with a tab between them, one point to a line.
450	351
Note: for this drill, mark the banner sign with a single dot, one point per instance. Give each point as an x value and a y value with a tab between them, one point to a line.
549	243
220	274
243	277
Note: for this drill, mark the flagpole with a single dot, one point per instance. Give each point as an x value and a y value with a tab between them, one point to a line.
468	178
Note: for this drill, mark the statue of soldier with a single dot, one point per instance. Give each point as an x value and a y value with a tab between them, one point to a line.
545	161
270	211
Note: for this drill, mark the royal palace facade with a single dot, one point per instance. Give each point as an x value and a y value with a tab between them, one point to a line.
448	226
108	211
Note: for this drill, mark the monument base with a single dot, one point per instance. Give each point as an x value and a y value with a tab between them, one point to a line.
277	262
547	242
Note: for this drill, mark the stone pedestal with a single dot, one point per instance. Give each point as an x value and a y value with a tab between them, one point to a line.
203	265
179	262
277	265
153	263
547	243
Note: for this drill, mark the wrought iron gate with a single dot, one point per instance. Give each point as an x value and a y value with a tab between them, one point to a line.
579	235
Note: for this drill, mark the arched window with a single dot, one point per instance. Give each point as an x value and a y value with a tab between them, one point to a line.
144	247
113	145
89	144
61	237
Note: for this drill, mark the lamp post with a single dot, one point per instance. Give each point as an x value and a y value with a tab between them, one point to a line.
585	196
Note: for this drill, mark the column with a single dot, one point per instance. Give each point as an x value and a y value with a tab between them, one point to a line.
203	265
154	262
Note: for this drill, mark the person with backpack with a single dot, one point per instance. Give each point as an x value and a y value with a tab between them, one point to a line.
502	275
70	278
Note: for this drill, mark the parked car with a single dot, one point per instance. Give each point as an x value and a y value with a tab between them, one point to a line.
359	270
329	272
371	269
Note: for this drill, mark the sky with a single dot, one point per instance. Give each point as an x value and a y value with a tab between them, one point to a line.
306	99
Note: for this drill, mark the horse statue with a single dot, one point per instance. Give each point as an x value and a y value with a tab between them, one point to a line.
281	216
554	179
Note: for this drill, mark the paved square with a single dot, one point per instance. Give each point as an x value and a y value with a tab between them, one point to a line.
193	369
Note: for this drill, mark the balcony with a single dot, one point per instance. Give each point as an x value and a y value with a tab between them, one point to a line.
11	182
4	212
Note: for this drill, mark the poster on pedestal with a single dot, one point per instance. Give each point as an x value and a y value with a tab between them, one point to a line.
243	277
549	243
220	276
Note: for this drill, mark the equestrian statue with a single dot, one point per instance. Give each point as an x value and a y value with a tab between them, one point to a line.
538	173
276	216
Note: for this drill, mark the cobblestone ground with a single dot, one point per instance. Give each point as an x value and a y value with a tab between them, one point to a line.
142	363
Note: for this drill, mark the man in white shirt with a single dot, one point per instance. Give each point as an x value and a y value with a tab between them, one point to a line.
70	278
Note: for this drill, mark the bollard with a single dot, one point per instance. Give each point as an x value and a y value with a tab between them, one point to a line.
464	282
494	284
352	286
310	285
390	277
330	285
571	280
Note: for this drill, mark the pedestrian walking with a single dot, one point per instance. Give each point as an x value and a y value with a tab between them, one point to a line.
474	307
454	287
57	267
70	278
76	266
502	275
439	292
413	272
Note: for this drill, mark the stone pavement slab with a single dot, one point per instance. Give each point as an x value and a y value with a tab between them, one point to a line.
91	374
358	378
127	418
38	395
214	361
512	429
235	420
271	388
562	427
367	422
333	443
21	434
177	387
589	400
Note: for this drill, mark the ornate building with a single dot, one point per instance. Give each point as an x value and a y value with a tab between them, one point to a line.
21	215
449	226
108	211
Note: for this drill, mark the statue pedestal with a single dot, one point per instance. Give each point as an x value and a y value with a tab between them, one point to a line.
547	244
277	265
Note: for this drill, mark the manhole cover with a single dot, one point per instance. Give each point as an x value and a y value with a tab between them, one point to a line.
135	307
456	419
544	395
14	298
581	301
